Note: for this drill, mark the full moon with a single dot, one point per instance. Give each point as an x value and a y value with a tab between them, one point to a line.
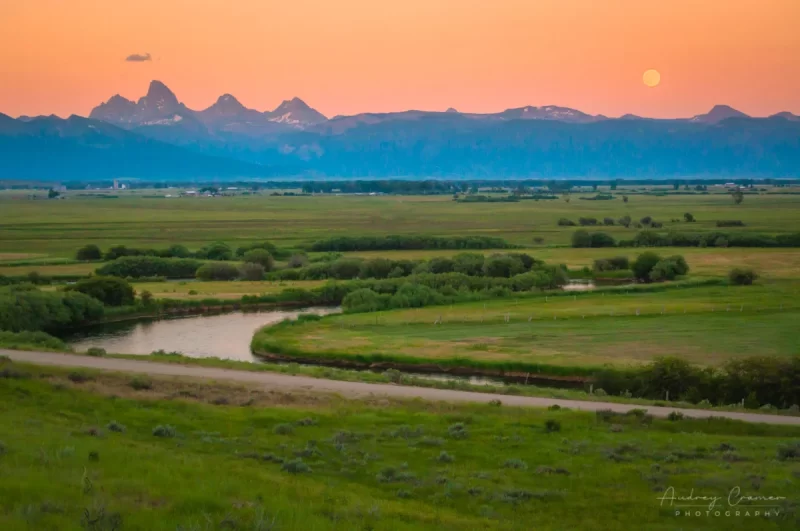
651	78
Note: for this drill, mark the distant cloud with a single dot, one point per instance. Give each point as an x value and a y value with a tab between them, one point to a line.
138	58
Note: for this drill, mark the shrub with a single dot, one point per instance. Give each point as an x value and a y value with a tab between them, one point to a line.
675	416
251	271
458	431
669	268
647	220
115	426
79	377
261	257
111	291
585	222
643	265
615	263
625	221
296	466
742	277
217	271
789	451
608	221
514	463
298	260
688	217
165	431
96	352
283	429
88	252
141	383
444	457
551	425
564	222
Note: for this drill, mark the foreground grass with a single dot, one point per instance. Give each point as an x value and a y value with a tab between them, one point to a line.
90	451
705	325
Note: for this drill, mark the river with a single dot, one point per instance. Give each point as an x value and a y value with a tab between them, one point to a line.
225	335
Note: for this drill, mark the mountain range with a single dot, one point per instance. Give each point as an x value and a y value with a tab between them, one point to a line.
160	137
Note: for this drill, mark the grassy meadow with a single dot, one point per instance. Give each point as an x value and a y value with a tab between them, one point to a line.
58	228
705	325
84	450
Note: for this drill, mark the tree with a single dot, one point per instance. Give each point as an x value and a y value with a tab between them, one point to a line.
503	265
345	268
624	198
261	257
625	220
468	264
89	252
52	194
298	260
581	238
111	291
643	264
742	277
688	218
738	197
647	220
216	251
146	297
441	265
376	268
668	269
178	251
217	271
251	271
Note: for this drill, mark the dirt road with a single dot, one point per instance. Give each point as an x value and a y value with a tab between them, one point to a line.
358	389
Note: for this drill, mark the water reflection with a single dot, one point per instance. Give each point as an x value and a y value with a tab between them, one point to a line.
225	335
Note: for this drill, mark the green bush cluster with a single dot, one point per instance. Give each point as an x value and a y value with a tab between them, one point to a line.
111	291
26	308
615	263
648	238
431	289
756	380
650	267
403	242
473	264
584	238
150	266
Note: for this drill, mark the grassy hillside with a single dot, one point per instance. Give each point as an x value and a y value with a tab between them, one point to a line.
100	451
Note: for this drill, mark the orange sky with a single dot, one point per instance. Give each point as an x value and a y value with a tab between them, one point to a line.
349	56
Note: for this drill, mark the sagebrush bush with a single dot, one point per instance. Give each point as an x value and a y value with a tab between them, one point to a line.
165	431
283	429
514	463
141	383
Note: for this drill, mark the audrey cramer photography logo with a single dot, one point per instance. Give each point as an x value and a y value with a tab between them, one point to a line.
734	504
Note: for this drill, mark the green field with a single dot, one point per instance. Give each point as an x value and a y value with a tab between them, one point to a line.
705	325
58	228
81	450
